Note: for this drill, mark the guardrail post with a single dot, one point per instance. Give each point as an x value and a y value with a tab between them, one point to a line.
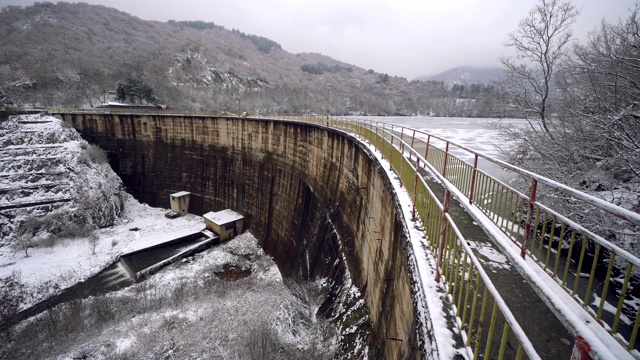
444	163
415	190
580	349
473	179
426	151
527	226
413	138
401	133
443	233
401	164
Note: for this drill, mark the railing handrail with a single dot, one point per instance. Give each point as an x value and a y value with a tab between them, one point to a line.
599	203
598	238
604	242
449	187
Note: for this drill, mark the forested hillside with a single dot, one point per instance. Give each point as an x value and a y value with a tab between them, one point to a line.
73	54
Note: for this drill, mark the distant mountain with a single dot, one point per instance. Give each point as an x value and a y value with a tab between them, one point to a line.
467	75
74	54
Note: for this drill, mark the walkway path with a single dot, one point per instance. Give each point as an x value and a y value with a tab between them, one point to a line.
544	330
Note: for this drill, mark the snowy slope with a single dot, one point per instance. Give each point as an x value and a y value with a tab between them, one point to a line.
47	169
47	173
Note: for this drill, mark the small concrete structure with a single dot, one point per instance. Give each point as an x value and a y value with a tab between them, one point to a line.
226	223
180	202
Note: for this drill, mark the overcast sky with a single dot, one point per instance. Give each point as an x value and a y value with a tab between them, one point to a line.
399	37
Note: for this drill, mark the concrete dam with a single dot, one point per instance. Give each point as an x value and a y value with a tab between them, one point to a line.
316	198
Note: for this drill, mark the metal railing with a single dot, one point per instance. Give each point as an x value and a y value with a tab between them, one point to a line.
472	292
560	246
563	248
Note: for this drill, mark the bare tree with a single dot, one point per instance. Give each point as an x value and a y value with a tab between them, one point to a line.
540	43
593	140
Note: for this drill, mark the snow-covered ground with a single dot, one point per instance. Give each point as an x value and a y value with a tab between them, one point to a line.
234	290
229	302
47	270
38	153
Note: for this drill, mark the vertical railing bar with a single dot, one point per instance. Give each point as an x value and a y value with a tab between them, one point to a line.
605	288
506	214
623	295
513	217
463	274
415	186
592	274
527	227
453	247
444	161
426	150
503	342
559	250
447	255
520	353
483	188
534	236
568	263
483	312
579	270
443	233
413	138
456	270
519	219
634	332
493	197
473	308
550	244
543	233
466	295
492	329
503	206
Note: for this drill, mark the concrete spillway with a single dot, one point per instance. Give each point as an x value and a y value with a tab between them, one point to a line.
315	198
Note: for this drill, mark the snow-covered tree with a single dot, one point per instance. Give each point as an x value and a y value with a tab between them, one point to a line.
541	43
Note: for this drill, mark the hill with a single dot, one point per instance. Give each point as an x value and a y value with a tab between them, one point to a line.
72	55
467	75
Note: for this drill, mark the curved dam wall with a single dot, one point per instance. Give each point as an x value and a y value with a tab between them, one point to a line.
316	199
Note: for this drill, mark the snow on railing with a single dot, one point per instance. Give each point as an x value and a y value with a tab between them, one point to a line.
508	209
471	290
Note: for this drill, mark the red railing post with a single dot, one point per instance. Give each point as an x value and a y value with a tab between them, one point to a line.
413	138
473	179
443	233
426	151
527	226
415	189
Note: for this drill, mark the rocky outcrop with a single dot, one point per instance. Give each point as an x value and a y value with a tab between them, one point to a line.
53	180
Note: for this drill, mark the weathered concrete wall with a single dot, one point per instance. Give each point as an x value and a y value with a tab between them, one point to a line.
298	185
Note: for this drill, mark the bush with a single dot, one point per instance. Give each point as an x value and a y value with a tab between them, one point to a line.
94	154
11	295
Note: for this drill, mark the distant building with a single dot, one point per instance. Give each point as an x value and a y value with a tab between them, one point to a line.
112	97
226	223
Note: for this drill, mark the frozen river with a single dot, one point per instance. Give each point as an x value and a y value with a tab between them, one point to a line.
479	134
